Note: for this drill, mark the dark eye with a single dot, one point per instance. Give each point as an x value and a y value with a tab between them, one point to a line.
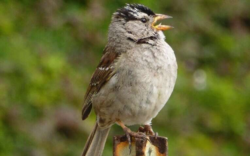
144	20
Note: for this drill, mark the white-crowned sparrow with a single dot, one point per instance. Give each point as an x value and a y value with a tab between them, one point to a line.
135	77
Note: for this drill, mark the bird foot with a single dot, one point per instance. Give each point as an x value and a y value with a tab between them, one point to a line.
130	134
147	129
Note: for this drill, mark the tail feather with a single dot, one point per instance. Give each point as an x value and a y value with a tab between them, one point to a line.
96	142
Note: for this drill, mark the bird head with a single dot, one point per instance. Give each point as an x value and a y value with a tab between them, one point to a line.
136	21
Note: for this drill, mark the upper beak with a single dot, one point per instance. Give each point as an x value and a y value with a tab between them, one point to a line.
159	26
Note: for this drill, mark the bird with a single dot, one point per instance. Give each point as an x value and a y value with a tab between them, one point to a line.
134	79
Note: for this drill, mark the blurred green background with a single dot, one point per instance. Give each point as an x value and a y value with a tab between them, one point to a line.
50	48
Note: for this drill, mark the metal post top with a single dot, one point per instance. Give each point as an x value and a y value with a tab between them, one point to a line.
150	146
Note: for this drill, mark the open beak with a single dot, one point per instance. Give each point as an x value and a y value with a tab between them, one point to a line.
159	26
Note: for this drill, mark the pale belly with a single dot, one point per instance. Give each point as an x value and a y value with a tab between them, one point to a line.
146	101
134	97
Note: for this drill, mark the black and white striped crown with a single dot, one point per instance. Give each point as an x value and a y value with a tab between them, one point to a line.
130	10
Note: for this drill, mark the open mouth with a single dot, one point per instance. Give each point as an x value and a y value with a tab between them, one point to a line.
159	26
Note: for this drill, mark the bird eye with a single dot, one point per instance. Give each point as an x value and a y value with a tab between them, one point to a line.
144	20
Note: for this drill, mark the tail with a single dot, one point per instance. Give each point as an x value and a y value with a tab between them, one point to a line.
96	142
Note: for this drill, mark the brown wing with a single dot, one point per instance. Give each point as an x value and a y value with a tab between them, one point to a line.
102	74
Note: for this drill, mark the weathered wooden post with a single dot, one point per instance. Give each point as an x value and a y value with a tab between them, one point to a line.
152	146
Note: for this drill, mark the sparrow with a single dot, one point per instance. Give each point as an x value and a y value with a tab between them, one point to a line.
135	77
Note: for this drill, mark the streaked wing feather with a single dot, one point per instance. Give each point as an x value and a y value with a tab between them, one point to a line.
102	74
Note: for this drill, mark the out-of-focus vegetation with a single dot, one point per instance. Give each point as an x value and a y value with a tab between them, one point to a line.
50	48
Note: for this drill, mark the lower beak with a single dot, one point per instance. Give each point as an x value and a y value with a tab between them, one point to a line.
159	26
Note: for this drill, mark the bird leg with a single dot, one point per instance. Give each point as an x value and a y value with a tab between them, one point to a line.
148	130
130	133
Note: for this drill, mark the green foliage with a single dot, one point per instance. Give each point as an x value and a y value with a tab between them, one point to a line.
50	48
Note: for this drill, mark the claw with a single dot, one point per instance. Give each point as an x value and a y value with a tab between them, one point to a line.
130	134
129	142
